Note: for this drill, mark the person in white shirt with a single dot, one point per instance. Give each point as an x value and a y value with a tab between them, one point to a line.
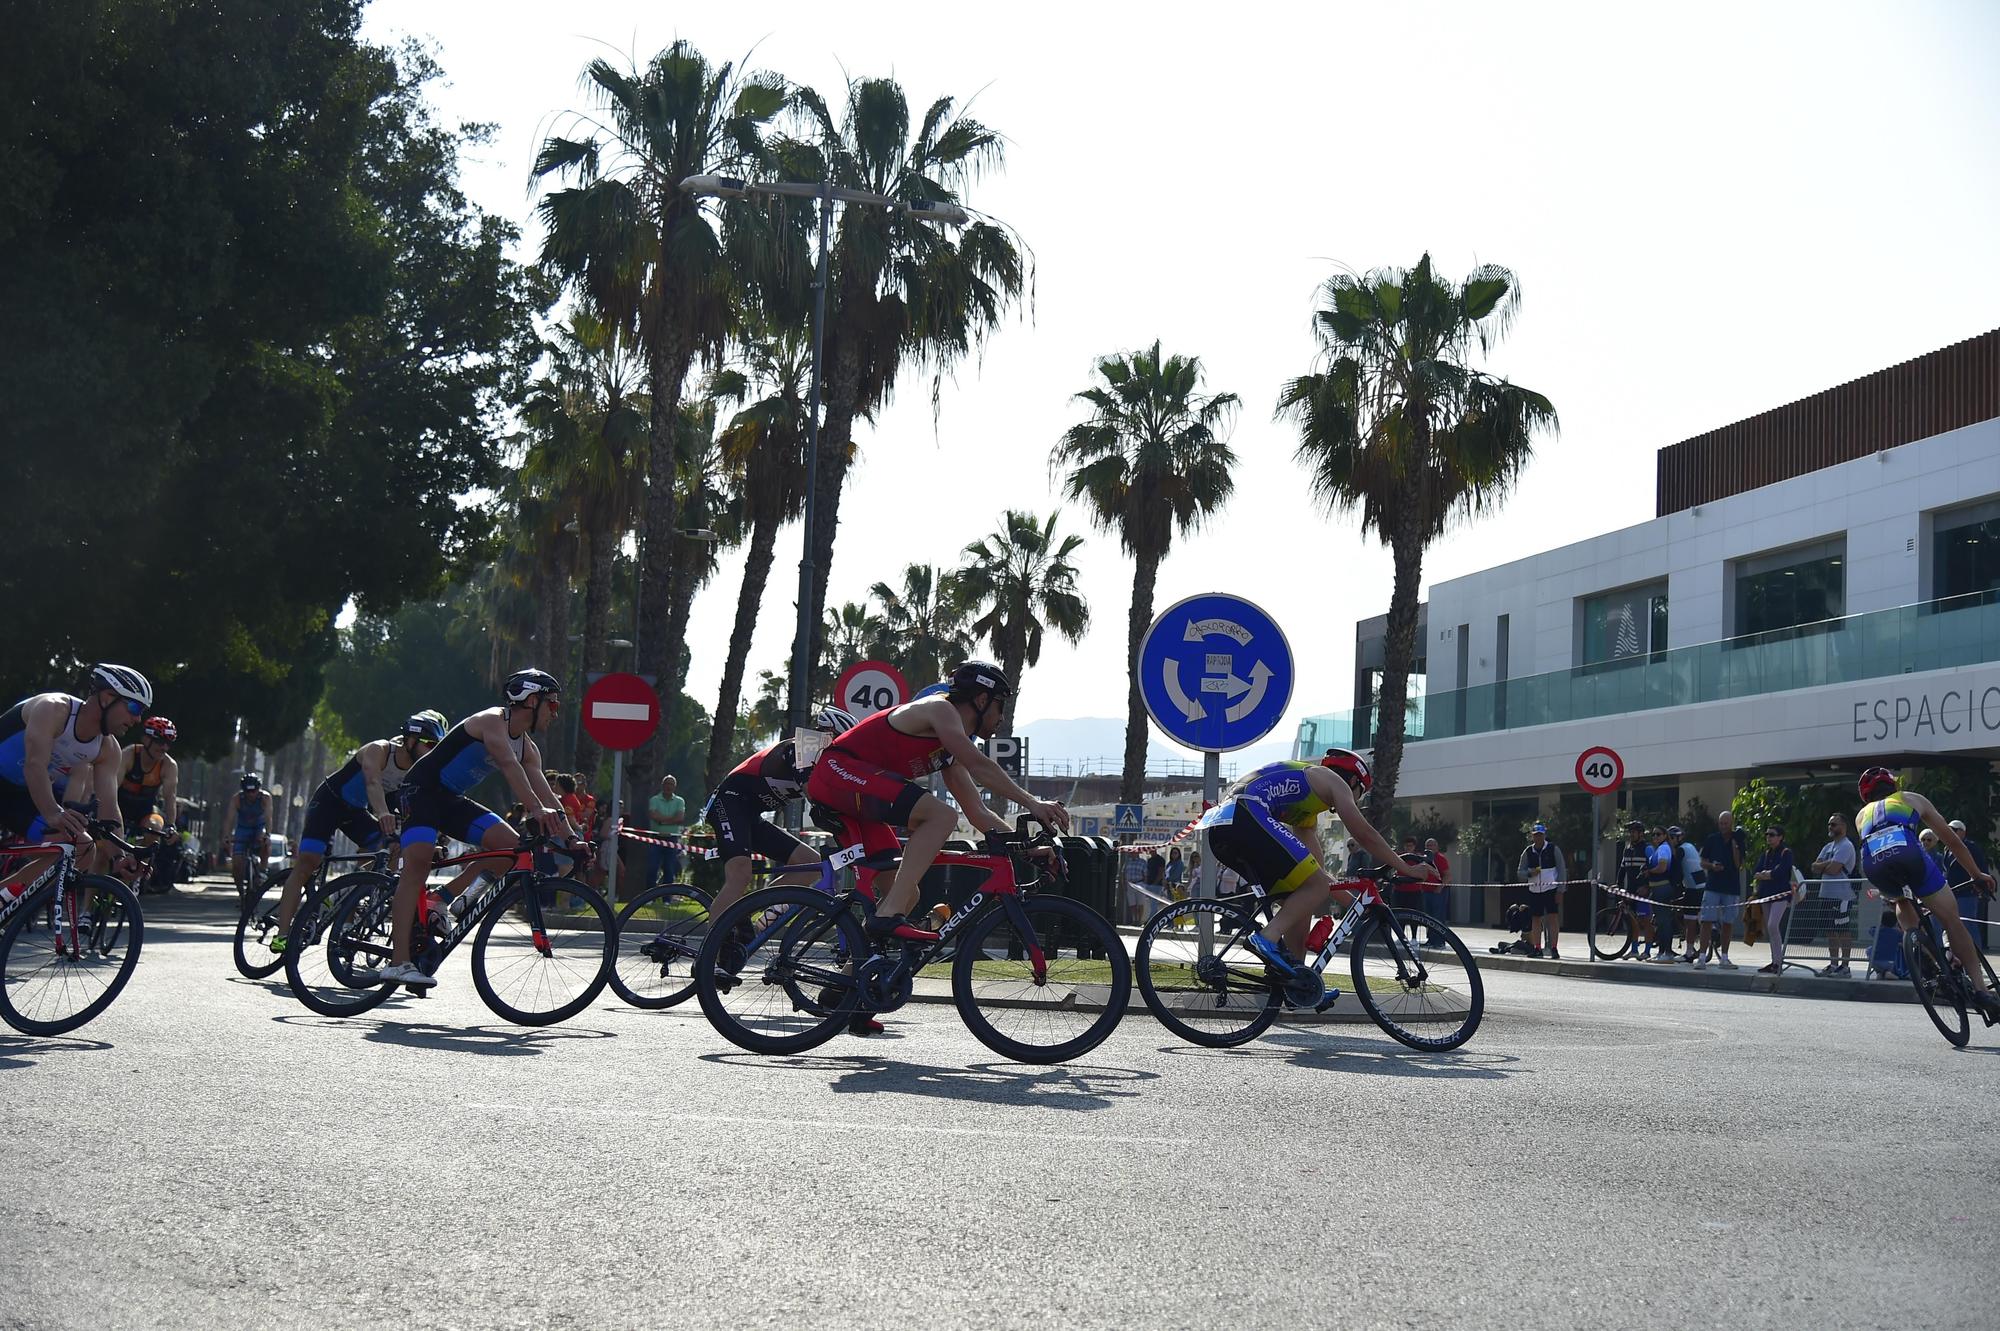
1834	867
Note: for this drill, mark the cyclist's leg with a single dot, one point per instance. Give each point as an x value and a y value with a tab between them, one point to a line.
930	821
736	875
304	865
1943	905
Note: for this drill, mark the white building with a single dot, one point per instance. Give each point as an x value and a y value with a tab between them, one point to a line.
1820	592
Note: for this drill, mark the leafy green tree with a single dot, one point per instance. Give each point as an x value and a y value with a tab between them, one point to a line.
391	666
1150	463
648	252
257	343
1400	425
1020	582
902	290
923	624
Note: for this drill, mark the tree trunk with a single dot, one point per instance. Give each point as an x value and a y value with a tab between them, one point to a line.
756	573
1132	785
563	568
596	637
1399	652
658	652
835	448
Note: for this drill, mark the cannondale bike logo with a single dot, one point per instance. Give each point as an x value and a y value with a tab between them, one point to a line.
32	888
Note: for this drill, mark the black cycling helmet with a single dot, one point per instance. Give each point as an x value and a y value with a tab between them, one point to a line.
525	684
252	781
970	677
428	725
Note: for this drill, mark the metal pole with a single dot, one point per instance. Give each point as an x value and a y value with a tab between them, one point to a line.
1596	809
617	843
802	648
1211	793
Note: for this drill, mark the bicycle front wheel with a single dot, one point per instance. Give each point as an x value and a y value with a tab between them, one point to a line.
1430	999
256	927
57	975
786	983
1199	976
341	937
1613	933
1044	987
538	959
1942	994
660	932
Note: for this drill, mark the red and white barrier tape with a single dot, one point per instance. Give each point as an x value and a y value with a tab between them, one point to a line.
1142	847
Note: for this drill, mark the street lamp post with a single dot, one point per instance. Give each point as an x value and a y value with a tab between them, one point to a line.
828	194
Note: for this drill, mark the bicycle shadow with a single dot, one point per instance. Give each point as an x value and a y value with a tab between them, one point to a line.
268	986
495	1041
1370	1057
24	1051
1076	1088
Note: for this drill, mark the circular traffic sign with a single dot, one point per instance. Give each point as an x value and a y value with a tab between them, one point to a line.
867	687
621	711
1600	770
1215	672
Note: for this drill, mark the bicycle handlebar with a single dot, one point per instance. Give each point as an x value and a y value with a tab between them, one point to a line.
102	830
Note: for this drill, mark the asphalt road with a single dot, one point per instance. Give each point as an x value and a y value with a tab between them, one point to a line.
210	1154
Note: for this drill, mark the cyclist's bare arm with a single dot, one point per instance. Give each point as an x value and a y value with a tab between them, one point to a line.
104	777
966	791
372	757
942	718
170	797
1333	788
42	720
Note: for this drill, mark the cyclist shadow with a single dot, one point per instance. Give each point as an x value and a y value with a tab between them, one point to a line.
1346	1053
502	1041
24	1051
1072	1087
268	986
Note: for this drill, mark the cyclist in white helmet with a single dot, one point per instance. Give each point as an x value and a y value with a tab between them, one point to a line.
59	755
763	783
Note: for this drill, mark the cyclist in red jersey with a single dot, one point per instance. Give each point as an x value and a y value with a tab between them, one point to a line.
869	776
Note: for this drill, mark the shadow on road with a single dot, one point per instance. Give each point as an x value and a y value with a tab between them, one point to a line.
22	1051
1074	1087
1344	1053
506	1041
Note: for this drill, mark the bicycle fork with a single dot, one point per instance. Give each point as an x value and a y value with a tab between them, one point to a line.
1018	917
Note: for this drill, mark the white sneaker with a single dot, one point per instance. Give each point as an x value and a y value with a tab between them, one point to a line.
407	973
1701	962
1724	962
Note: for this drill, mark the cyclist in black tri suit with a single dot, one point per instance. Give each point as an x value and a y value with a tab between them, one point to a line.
497	739
762	783
1894	860
246	821
148	779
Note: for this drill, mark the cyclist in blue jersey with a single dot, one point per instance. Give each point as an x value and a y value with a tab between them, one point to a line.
1894	860
246	821
356	800
1261	830
497	739
55	747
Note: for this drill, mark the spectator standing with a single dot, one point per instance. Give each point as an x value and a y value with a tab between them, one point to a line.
1156	878
1193	871
1358	860
1775	873
1835	868
1722	856
1691	880
1964	882
1439	896
1176	876
1408	895
666	816
1636	863
1543	870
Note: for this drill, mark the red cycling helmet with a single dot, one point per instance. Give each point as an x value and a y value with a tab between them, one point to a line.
159	728
1877	782
1352	766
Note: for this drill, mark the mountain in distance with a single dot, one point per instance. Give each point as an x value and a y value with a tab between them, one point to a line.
1096	744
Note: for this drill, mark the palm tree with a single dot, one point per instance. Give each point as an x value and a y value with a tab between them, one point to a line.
1151	463
766	443
901	289
1398	424
711	502
852	633
647	252
1021	583
923	625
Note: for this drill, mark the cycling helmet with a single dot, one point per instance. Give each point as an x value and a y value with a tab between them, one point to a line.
252	781
124	681
834	720
426	725
525	684
161	729
1352	766
1877	782
978	677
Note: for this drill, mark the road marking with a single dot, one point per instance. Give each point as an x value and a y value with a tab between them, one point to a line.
833	1125
621	711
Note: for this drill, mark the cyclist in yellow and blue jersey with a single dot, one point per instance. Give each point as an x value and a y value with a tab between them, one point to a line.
1262	829
1894	860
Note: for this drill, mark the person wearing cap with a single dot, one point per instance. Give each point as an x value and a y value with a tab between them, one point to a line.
1774	874
1835	867
1635	875
1964	883
1690	880
1543	870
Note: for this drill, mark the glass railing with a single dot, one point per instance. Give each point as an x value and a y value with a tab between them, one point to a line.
1931	635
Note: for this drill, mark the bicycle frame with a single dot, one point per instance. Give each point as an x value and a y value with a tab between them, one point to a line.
485	898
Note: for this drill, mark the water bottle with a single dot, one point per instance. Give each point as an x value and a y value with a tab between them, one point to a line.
435	913
1321	932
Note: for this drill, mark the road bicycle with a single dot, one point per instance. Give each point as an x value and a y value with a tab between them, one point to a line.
1037	978
532	963
257	923
1614	930
1942	984
68	941
1199	976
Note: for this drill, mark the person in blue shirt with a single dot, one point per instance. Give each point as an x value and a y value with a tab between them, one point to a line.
1774	874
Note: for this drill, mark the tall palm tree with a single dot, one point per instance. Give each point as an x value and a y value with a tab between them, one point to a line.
644	250
710	502
1021	583
902	290
853	632
923	625
766	443
1150	463
1397	423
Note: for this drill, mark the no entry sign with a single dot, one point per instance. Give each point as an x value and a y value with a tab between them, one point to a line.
621	711
1599	770
867	687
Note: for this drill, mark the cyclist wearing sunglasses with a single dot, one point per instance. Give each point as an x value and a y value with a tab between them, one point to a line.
150	778
497	739
53	745
355	800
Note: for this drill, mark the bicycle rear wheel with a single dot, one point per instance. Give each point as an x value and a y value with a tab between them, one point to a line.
340	936
1940	992
1219	998
55	977
538	960
660	932
792	988
256	926
1431	999
1047	1011
1613	933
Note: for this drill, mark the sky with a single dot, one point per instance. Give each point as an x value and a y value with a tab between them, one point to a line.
1711	210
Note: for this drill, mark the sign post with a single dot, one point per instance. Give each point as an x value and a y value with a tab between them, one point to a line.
867	687
1600	771
621	712
1215	673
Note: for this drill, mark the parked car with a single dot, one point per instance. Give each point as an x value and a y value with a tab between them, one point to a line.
281	854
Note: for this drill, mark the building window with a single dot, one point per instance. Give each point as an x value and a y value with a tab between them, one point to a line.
1965	551
1798	590
1623	625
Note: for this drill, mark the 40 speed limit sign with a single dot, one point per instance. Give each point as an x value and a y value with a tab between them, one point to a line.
867	687
1600	770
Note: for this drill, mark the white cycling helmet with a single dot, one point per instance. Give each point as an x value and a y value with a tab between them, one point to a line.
834	720
124	681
